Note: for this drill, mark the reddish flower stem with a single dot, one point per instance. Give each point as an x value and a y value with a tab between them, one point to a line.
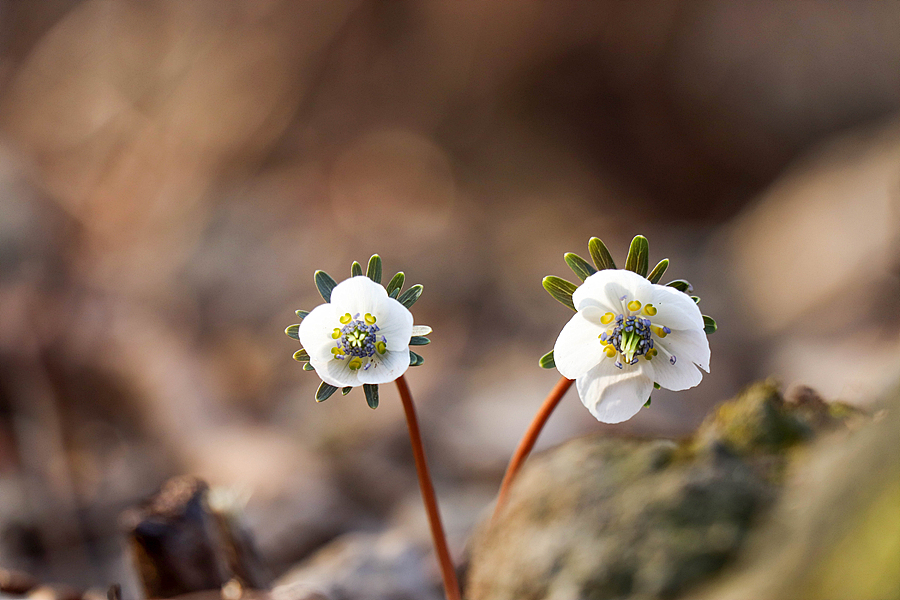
448	572
528	441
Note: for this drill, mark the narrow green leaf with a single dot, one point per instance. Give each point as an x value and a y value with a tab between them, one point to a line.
414	359
373	271
560	289
709	325
638	256
647	403
293	331
355	269
324	392
301	355
582	268
658	271
371	391
681	285
419	340
346	390
547	361
421	330
600	254
396	284
325	284
655	385
409	297
302	313
696	299
308	367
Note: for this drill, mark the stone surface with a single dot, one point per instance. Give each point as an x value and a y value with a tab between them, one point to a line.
836	532
601	517
364	566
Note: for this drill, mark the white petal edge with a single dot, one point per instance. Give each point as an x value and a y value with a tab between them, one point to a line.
675	309
336	372
391	365
681	376
358	295
605	289
316	329
613	396
577	349
396	324
687	345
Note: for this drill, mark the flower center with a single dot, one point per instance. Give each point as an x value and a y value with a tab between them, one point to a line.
357	341
630	336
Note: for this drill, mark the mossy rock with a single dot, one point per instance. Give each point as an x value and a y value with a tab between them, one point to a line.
602	518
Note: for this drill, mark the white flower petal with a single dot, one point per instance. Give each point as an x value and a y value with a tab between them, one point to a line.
687	345
336	372
316	329
395	323
675	309
614	395
358	295
386	368
605	290
682	375
578	349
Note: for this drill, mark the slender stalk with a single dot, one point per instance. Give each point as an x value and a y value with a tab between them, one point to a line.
448	572
528	441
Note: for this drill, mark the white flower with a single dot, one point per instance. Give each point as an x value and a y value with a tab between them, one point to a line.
361	336
627	334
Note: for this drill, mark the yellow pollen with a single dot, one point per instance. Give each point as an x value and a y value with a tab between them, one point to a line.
381	347
659	331
370	320
346	319
336	333
337	351
649	310
634	305
355	363
607	318
610	351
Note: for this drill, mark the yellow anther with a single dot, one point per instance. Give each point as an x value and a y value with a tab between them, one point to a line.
336	333
607	318
602	341
346	319
634	305
380	347
610	351
649	310
370	320
648	356
337	351
355	363
659	331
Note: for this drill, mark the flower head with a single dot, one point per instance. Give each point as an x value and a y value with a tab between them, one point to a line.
362	334
628	335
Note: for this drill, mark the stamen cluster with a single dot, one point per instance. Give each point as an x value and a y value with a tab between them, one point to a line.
630	337
357	339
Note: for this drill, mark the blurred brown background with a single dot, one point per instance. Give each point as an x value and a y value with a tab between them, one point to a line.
172	173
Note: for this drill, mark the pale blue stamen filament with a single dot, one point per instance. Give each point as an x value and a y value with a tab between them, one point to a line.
631	338
357	340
